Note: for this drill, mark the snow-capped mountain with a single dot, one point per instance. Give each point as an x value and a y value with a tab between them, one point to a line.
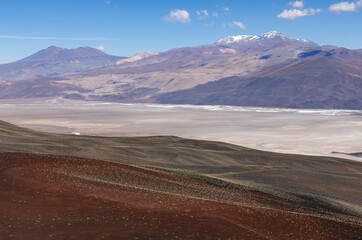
265	40
271	69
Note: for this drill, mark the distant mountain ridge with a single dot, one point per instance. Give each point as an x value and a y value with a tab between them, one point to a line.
55	61
320	82
271	69
54	53
184	68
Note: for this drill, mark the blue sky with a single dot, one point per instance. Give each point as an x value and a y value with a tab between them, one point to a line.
125	27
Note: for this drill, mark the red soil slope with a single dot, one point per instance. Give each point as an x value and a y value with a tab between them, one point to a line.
57	197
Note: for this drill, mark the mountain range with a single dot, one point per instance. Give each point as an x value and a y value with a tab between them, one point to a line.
270	70
54	61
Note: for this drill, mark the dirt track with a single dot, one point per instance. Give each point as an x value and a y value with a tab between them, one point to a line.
53	197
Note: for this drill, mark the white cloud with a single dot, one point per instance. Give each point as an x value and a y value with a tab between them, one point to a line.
296	13
107	2
227	10
239	25
297	4
203	14
52	38
102	48
345	6
178	15
215	14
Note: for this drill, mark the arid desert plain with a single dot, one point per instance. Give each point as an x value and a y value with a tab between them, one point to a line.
297	131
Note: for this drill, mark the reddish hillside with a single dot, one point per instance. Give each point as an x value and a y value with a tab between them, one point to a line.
76	198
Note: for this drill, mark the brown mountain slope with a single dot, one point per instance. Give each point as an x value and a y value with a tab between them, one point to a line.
175	70
61	197
318	182
317	82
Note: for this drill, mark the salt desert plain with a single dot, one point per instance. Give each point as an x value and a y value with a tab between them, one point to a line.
297	131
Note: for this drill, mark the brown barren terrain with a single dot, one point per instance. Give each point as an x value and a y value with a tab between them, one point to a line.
164	187
59	197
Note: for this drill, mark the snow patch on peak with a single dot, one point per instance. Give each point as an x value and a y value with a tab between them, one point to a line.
274	34
255	38
239	38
